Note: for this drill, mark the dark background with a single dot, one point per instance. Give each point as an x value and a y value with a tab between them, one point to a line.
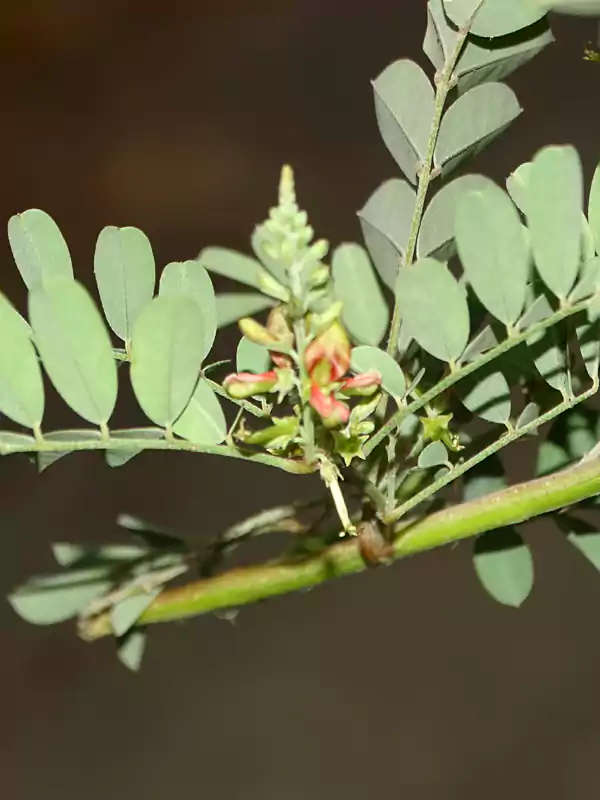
407	682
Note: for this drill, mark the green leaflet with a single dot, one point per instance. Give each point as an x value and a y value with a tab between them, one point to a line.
8	440
234	306
554	210
75	347
434	455
190	279
21	385
45	458
493	250
481	59
231	264
583	536
422	290
594	208
571	436
495	17
588	335
517	183
436	234
365	312
126	613
202	421
166	355
477	117
580	8
130	649
529	413
486	394
125	274
38	247
486	478
504	566
367	358
385	220
46	600
252	357
550	355
404	106
70	555
119	456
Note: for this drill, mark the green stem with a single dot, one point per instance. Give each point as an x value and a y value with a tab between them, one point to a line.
307	418
246	585
48	446
444	82
471	367
503	441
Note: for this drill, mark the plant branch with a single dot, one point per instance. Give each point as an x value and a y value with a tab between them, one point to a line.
246	585
182	445
472	366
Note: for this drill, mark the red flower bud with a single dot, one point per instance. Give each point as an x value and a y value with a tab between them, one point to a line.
362	385
246	384
332	411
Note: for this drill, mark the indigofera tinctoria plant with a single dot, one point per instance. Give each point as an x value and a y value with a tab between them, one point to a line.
368	364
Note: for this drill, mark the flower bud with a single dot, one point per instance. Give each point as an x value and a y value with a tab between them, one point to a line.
256	332
332	348
362	385
272	287
246	384
331	411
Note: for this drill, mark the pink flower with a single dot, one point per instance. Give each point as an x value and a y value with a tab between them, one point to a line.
332	411
327	357
362	385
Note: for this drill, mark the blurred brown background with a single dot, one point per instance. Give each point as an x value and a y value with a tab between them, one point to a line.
407	682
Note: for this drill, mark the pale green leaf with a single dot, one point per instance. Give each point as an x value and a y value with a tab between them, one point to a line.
436	234
486	394
365	312
21	385
579	8
47	600
10	440
130	649
495	17
404	106
68	554
529	414
517	185
190	279
583	536
484	341
118	456
389	210
126	613
434	455
554	209
504	566
549	351
234	306
589	280
202	421
38	247
125	274
588	335
231	264
166	355
273	265
367	358
493	250
477	117
75	347
422	290
594	207
252	357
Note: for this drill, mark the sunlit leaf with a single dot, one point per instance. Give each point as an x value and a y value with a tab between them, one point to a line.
504	566
125	274
202	421
436	234
495	17
472	121
517	185
75	347
493	250
404	106
422	290
365	312
21	385
38	247
554	209
166	355
190	279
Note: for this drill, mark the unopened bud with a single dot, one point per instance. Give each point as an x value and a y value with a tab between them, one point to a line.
272	287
